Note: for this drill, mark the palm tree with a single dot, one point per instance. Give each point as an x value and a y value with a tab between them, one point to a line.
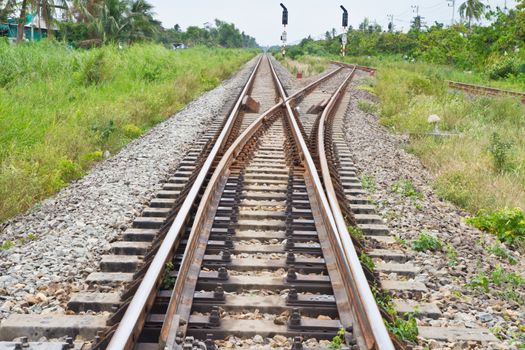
472	9
46	10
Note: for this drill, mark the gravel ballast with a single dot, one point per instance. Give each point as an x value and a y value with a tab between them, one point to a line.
59	241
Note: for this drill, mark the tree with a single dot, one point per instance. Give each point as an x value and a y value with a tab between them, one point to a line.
472	9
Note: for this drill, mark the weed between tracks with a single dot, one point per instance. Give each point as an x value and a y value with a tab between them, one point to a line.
61	109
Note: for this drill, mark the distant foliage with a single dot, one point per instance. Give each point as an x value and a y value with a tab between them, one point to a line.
497	48
223	34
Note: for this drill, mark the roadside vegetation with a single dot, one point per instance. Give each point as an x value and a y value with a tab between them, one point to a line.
64	109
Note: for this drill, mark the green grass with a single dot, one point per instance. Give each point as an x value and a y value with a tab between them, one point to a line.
440	72
61	108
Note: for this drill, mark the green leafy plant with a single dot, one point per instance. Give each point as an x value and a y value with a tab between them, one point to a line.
7	245
452	255
369	183
32	237
367	261
406	188
426	242
168	280
356	232
405	329
500	251
506	285
338	341
507	224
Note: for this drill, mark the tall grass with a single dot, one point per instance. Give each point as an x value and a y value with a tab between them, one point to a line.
61	109
482	166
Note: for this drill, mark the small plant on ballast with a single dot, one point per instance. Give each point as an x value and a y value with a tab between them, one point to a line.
338	341
426	242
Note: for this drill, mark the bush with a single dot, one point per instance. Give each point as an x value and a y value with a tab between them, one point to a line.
507	224
499	151
132	131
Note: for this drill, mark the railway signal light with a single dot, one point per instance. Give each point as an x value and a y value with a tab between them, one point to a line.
345	17
285	15
285	22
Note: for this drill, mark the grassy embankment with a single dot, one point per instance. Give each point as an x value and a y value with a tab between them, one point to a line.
61	109
481	167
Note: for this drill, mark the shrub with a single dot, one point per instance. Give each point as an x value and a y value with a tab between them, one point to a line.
132	131
96	69
69	170
507	224
499	151
93	156
426	242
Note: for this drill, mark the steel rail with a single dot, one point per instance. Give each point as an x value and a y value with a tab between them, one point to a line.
172	320
479	89
369	316
129	327
374	330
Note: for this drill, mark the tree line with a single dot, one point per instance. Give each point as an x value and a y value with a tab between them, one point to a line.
497	47
97	22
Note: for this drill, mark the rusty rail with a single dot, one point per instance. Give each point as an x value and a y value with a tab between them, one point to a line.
485	90
369	317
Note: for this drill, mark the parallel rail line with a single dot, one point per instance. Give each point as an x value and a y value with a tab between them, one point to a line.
485	90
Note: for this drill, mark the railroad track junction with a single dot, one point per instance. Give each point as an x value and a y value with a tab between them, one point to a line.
249	237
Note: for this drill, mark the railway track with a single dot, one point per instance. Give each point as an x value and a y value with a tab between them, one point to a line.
485	90
268	253
249	237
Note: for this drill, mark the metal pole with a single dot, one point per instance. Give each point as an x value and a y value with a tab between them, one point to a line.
452	3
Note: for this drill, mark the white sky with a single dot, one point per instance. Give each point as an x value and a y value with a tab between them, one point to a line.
262	18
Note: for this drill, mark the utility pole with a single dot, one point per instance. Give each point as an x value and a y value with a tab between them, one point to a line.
344	39
452	3
415	9
284	22
418	20
390	23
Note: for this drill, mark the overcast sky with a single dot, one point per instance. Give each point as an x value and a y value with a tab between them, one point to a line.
262	18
